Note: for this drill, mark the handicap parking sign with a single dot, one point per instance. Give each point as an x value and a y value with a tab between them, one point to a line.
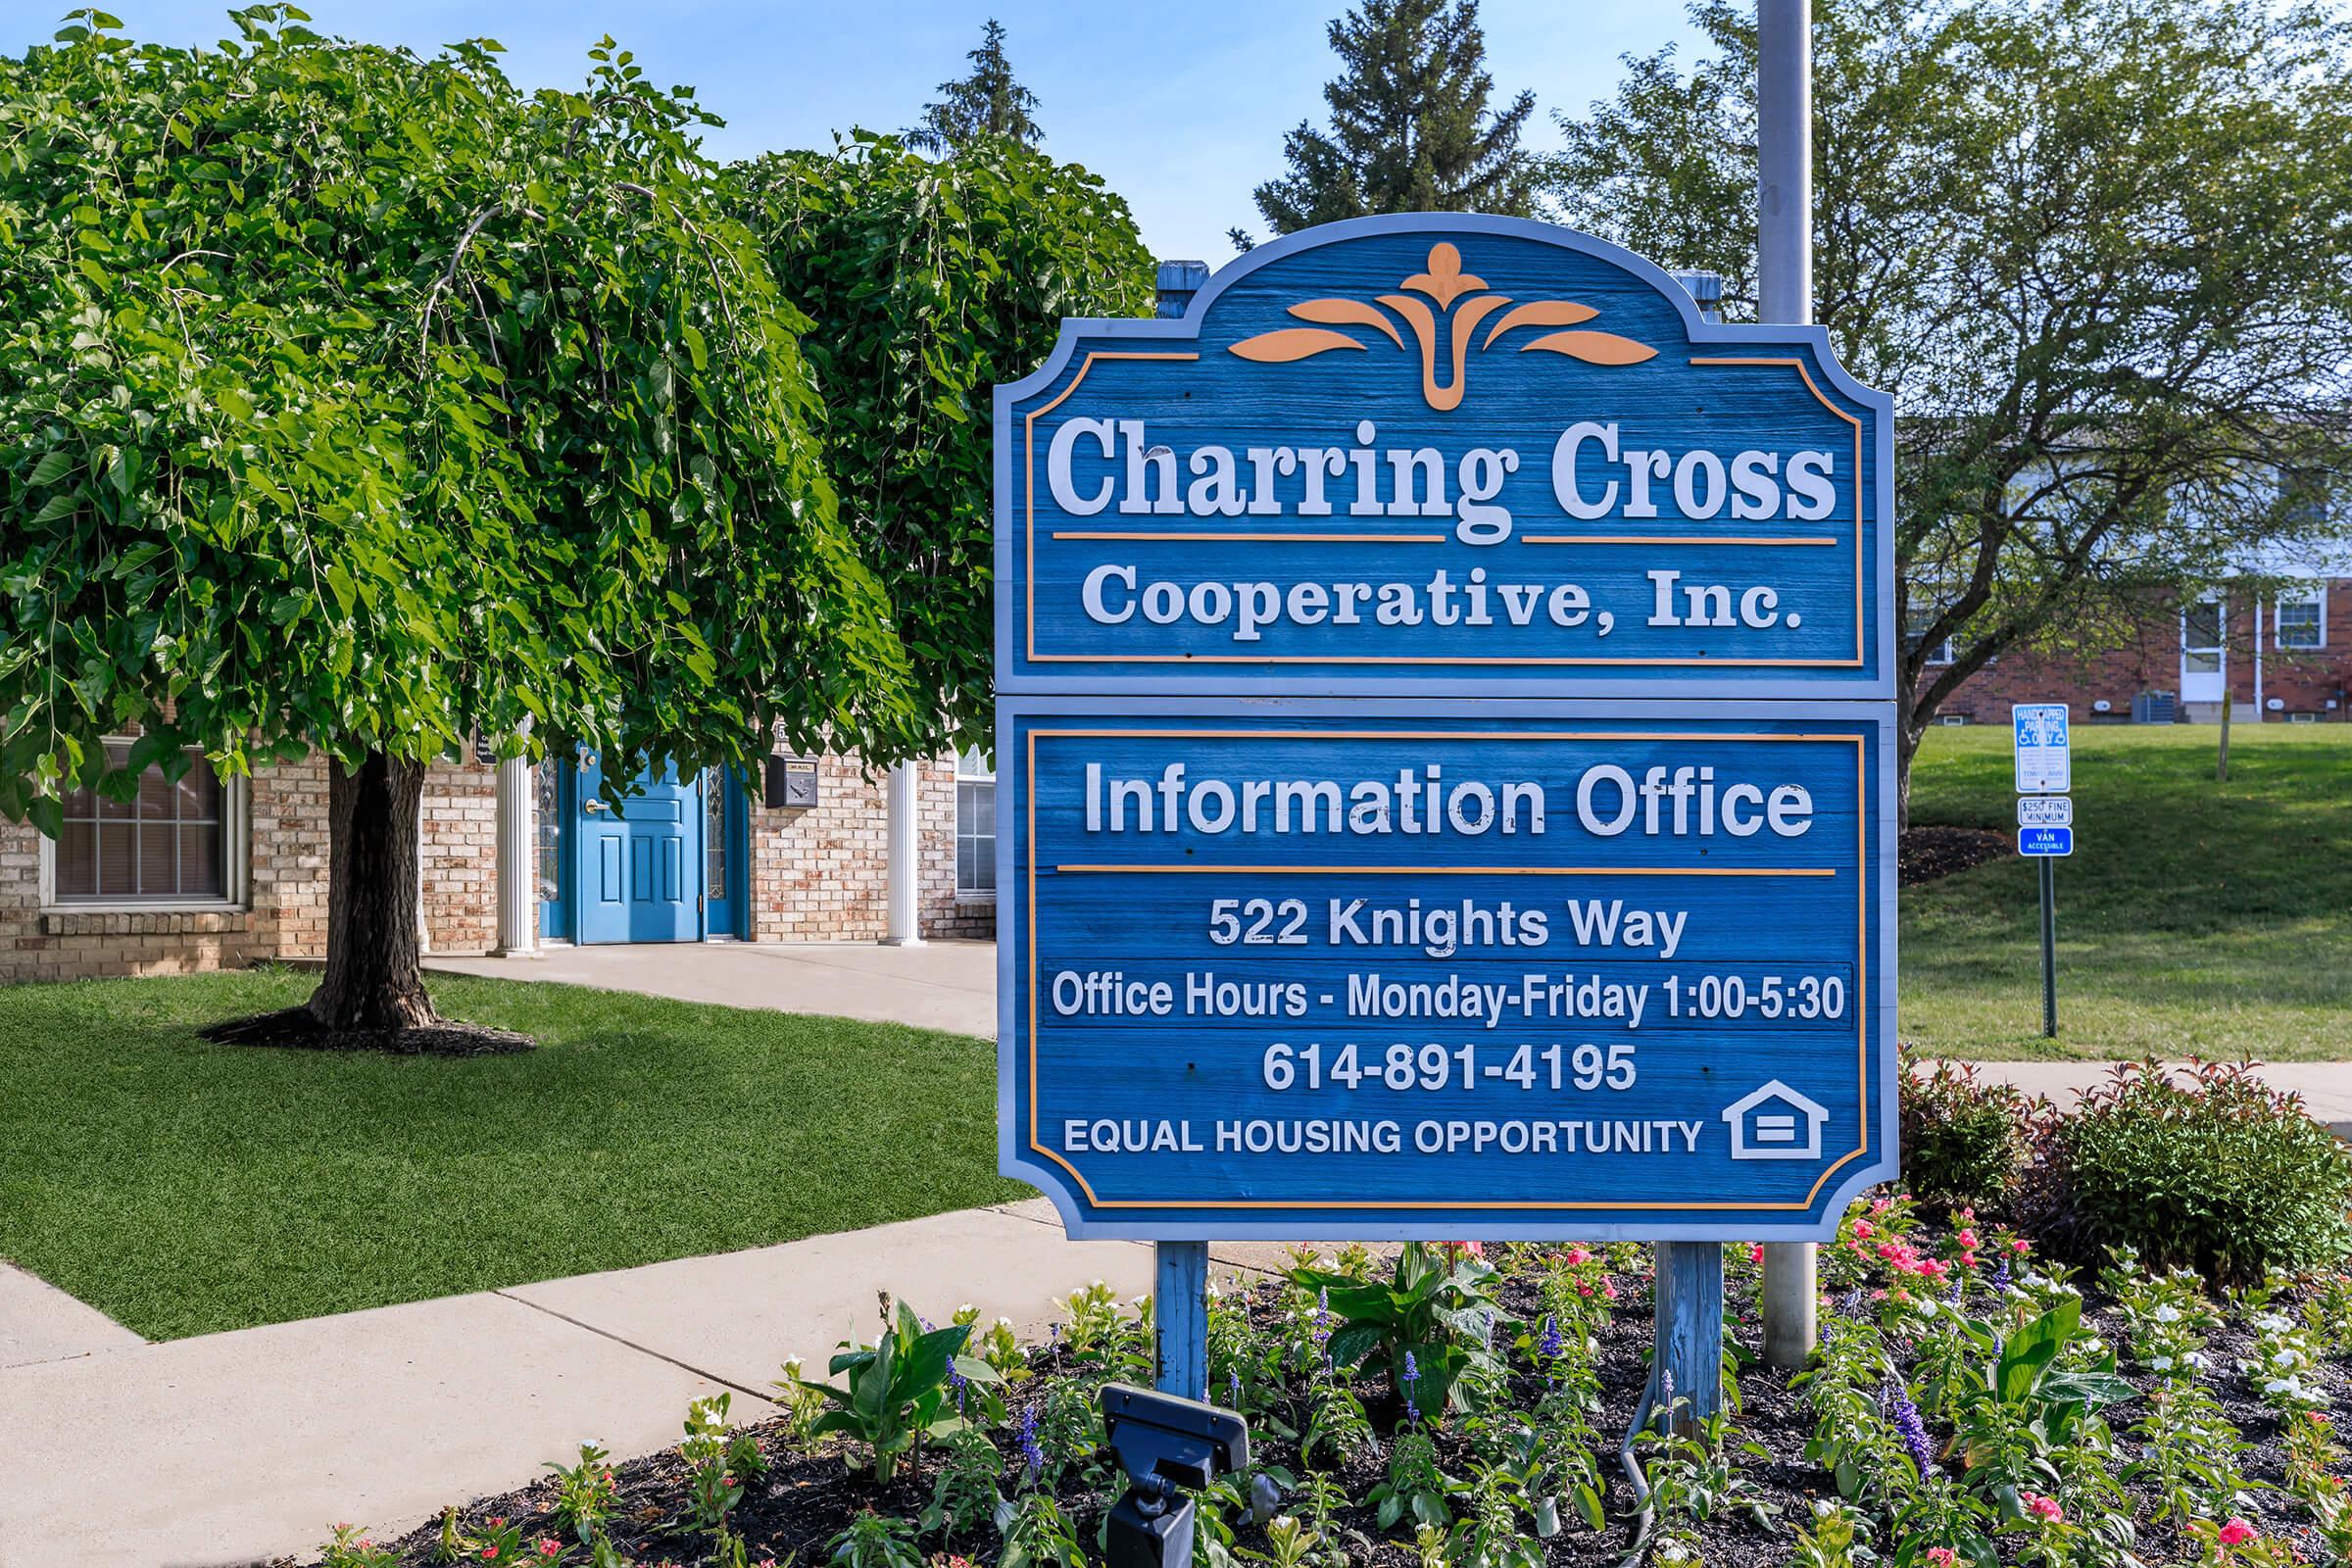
2043	749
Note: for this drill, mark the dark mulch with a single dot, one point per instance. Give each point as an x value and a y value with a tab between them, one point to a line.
805	1501
1930	852
295	1029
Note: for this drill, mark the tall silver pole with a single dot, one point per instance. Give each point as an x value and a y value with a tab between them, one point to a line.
1785	159
1785	291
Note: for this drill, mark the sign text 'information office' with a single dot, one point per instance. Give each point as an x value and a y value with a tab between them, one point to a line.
1443	745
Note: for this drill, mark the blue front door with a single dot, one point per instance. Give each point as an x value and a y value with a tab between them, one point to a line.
639	861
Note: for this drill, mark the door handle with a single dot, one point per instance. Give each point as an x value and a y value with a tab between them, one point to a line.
593	806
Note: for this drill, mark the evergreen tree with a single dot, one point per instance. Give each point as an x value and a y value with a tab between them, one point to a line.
987	103
1410	129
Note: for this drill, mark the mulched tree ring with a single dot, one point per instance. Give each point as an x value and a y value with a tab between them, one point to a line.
296	1029
1930	853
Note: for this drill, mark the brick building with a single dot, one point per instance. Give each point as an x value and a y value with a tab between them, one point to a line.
210	874
2278	657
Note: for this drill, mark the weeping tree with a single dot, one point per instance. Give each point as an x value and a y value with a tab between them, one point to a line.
357	404
929	282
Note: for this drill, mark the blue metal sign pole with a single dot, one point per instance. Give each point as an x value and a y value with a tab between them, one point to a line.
2049	948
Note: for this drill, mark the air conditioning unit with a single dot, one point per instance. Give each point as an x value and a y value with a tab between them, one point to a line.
2155	707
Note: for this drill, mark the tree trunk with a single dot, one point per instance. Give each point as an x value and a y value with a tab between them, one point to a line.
375	979
2221	764
1906	751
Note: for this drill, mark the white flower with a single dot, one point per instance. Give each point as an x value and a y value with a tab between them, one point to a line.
2168	1314
1824	1509
2273	1322
2198	1359
2095	1345
2286	1359
2163	1363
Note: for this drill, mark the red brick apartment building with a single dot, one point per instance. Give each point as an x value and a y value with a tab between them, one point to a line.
2278	657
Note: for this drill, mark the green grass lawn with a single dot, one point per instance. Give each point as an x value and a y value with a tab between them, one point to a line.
185	1187
2193	917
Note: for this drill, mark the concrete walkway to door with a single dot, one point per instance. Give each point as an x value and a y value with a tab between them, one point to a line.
946	985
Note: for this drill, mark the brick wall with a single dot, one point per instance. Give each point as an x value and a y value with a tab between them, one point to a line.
2302	680
823	874
285	912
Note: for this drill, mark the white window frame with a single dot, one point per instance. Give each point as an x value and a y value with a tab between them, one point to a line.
974	766
236	851
2316	597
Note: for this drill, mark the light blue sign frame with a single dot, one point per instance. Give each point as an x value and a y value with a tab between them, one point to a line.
1279	339
1689	1216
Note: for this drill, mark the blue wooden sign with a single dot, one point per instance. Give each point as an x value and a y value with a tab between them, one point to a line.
1444	455
1400	967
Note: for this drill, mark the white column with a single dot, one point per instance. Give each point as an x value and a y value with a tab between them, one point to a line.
904	928
517	858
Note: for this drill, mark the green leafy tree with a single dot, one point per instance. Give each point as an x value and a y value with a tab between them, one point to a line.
989	102
1410	126
930	283
352	402
2101	256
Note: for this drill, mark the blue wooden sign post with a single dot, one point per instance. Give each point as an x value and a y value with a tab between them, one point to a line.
1445	744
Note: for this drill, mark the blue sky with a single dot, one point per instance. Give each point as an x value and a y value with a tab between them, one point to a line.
1182	118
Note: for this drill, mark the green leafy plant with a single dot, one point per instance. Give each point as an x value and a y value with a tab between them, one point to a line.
719	1461
876	1540
585	1493
1416	1486
2217	1172
1965	1142
1437	1313
1040	1536
894	1393
965	1498
350	1548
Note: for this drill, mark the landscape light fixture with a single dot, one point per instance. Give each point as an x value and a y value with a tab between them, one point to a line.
1169	1448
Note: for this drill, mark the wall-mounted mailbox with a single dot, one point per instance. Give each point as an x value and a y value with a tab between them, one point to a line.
789	784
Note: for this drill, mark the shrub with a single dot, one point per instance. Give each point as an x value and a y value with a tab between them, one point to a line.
1964	1142
2218	1173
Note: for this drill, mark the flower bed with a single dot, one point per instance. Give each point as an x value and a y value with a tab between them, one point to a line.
1972	1403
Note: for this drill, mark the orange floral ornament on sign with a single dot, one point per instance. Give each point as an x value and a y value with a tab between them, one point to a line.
1444	284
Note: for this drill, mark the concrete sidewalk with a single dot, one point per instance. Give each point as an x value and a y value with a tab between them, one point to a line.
946	985
244	1447
2325	1085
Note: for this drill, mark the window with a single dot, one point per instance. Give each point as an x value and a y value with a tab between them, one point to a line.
170	845
714	834
2302	618
2201	626
1921	617
975	825
547	781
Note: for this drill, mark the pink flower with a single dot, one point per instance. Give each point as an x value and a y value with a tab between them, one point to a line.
2019	1246
1943	1557
1755	1253
1933	1269
1578	1255
1877	1206
489	1554
1608	1288
1968	1241
1862	1229
2235	1532
549	1546
2041	1508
